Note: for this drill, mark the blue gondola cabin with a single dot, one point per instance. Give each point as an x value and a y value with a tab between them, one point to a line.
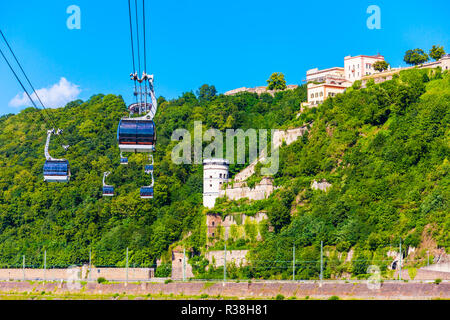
147	192
108	191
56	171
136	135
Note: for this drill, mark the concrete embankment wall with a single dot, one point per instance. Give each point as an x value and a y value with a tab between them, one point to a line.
424	274
262	290
81	273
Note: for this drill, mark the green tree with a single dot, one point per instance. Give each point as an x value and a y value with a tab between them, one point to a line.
380	66
437	52
206	93
415	57
276	81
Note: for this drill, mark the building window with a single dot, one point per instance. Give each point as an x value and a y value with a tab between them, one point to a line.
210	185
312	95
210	177
220	175
213	223
321	93
317	94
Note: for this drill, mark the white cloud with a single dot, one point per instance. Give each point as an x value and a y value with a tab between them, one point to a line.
55	96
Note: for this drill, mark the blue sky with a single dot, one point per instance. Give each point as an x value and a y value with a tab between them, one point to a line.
229	44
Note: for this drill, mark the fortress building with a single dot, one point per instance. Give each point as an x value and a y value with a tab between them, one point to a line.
326	83
329	82
215	174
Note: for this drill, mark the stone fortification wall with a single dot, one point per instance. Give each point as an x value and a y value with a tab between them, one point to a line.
239	190
279	136
236	257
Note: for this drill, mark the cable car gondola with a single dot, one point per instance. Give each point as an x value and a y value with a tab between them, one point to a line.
139	134
147	191
55	170
123	160
136	135
108	191
149	167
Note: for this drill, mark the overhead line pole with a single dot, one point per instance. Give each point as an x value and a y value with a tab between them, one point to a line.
293	263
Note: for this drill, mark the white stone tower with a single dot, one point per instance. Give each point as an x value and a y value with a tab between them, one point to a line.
215	174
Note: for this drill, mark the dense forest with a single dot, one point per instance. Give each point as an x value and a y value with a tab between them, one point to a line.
70	220
384	149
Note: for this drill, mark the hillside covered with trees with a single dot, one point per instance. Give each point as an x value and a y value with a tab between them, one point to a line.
69	220
383	148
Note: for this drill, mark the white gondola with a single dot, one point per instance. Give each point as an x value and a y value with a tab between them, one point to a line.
55	170
108	191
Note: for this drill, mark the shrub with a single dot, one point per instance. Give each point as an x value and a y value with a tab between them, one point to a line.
437	281
101	280
168	281
333	298
279	297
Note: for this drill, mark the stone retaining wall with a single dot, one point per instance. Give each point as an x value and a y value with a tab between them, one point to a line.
79	273
262	290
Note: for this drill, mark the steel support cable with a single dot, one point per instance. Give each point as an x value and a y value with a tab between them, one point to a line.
45	111
132	47
145	50
145	54
139	52
21	84
23	72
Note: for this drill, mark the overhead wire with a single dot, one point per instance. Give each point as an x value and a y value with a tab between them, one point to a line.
21	84
139	53
132	48
44	110
145	54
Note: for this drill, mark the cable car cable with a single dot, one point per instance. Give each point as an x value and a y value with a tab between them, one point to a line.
21	84
139	54
26	77
45	111
132	46
145	53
